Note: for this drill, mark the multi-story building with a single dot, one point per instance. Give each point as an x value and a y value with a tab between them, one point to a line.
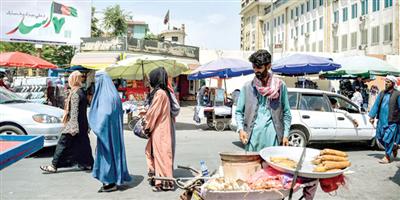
335	26
137	29
251	35
175	35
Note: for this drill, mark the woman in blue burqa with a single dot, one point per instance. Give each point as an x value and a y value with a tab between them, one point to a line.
105	119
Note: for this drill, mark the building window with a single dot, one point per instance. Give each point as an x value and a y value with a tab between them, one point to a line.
321	2
364	7
375	5
364	36
174	38
274	22
321	46
291	33
279	21
354	11
354	40
335	43
302	8
321	23
302	29
314	25
345	14
283	36
375	35
291	14
308	27
314	6
336	16
314	47
388	3
283	19
267	26
253	21
388	35
308	6
297	31
344	42
297	11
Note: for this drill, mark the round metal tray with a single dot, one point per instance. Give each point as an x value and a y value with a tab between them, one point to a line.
294	153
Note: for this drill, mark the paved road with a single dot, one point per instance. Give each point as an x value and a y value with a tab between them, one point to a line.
24	180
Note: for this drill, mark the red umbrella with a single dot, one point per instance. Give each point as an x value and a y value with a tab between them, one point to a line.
18	59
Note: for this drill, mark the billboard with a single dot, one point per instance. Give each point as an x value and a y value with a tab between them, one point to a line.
45	21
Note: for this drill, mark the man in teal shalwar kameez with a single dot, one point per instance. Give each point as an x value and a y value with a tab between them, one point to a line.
387	110
263	111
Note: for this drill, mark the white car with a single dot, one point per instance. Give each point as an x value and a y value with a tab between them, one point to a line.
18	116
314	119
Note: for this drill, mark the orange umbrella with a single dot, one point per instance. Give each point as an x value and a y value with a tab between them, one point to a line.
18	59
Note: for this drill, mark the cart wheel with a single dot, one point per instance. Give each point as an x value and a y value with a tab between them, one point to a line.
219	126
210	123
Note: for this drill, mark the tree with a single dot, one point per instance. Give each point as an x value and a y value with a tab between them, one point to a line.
58	55
95	31
152	36
28	48
115	20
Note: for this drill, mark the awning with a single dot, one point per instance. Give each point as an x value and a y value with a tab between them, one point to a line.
95	60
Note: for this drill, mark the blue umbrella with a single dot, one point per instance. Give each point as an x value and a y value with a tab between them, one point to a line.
301	64
222	68
78	68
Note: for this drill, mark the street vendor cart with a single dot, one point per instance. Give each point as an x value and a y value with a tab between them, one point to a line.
219	115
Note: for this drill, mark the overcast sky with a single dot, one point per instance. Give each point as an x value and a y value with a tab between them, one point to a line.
210	24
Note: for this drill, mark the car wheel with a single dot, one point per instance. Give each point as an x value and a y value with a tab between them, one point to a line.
11	130
297	138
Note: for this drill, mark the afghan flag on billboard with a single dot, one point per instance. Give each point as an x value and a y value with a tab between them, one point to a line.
64	10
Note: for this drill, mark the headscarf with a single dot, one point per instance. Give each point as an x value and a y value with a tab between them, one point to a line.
393	79
75	82
271	90
158	80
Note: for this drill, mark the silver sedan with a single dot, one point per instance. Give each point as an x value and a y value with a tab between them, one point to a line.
18	116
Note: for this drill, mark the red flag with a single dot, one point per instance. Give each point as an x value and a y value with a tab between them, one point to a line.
166	18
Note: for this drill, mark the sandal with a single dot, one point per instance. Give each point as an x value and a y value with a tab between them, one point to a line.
108	188
385	160
48	168
157	188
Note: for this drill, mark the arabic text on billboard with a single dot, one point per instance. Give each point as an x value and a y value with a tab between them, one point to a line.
45	21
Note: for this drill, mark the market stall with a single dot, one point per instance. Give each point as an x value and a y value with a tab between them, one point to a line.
301	65
219	111
131	73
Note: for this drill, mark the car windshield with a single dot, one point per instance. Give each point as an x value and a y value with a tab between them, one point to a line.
7	96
